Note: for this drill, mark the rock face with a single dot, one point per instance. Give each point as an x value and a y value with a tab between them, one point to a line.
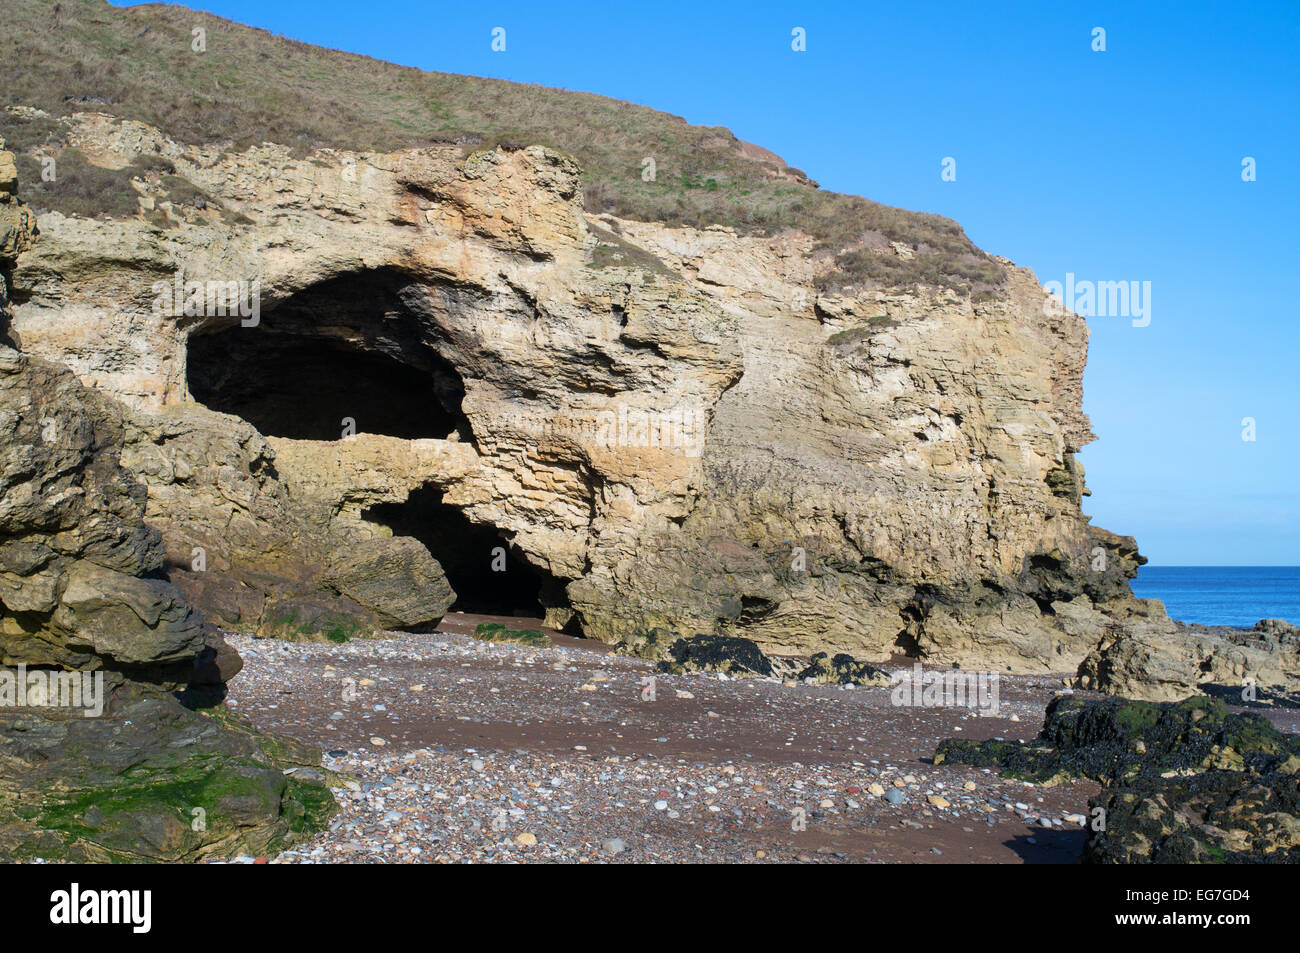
1185	783
98	760
17	223
1157	662
444	368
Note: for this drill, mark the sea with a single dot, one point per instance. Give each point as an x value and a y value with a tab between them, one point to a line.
1223	595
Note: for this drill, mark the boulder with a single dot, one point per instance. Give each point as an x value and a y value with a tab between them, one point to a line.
396	579
843	669
716	653
1164	661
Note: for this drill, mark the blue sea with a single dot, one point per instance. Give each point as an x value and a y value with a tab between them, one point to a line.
1223	595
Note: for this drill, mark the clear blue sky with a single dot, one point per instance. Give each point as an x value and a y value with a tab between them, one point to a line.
1122	165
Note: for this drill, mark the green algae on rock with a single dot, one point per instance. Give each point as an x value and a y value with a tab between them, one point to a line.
496	632
1189	782
152	782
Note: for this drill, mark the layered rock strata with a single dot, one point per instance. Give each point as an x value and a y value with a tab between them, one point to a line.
655	428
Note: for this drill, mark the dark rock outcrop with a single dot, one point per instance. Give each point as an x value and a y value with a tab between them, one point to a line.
843	669
1185	783
716	653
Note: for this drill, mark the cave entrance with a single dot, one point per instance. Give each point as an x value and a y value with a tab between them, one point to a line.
490	576
345	355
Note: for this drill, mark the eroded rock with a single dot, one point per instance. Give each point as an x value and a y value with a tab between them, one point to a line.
675	428
1165	661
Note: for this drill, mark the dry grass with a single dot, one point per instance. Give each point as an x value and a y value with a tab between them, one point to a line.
251	86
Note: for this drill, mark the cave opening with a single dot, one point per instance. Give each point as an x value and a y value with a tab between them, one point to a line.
347	355
490	575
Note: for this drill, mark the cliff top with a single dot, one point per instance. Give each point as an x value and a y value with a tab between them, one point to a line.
253	86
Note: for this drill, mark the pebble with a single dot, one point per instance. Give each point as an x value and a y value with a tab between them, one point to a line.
448	803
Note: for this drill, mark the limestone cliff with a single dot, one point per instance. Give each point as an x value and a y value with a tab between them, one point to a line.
98	758
652	427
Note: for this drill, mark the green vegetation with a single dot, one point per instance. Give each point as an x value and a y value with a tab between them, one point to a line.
73	185
79	187
615	252
1136	717
314	627
148	811
496	632
250	86
182	191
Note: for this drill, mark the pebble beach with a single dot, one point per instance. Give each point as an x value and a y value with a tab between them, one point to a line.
448	749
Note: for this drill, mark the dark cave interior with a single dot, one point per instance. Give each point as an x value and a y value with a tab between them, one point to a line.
489	575
344	353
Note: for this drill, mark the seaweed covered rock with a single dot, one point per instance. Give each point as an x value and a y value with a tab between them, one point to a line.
152	781
843	669
99	758
716	653
653	645
1212	817
732	655
1187	782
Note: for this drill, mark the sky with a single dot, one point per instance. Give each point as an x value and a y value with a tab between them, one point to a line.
1122	164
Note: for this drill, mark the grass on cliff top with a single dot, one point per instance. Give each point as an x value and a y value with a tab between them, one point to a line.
251	86
75	186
